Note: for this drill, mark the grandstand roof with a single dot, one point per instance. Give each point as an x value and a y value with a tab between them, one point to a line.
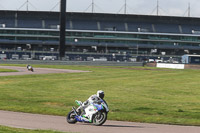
126	17
107	16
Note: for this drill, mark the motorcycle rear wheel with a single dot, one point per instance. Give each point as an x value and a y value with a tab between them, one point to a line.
71	118
100	118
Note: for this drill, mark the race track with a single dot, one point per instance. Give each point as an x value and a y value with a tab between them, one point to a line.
24	71
36	121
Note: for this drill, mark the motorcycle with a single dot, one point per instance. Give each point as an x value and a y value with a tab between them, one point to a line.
95	113
30	68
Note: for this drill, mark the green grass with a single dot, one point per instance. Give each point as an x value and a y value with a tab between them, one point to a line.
6	70
4	129
152	96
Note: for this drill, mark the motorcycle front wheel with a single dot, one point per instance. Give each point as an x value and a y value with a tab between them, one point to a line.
100	118
71	118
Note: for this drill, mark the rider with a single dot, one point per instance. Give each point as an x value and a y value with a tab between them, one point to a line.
29	67
96	98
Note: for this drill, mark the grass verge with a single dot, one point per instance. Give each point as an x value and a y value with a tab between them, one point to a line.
6	70
133	93
4	129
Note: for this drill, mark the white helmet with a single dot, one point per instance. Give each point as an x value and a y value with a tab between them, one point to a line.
100	94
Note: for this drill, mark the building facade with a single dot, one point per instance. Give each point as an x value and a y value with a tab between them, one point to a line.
112	36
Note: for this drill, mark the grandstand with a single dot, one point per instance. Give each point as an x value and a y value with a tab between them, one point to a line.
97	35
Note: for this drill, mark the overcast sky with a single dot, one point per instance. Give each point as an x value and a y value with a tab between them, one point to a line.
166	7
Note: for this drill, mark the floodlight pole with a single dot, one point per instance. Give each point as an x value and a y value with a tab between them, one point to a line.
125	7
188	9
27	5
92	6
62	29
157	7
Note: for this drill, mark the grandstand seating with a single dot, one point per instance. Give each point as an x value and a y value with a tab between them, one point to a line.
87	21
7	20
189	28
27	23
112	25
84	25
51	24
167	28
140	27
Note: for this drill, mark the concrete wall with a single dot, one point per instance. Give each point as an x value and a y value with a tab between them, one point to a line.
151	64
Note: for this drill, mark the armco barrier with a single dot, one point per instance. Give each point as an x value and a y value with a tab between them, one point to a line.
89	63
191	66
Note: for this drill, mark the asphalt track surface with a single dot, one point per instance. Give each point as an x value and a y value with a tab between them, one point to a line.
48	122
35	121
24	71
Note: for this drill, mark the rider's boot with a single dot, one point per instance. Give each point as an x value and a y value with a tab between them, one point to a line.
78	110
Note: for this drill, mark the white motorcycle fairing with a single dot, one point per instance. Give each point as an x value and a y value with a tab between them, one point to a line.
94	108
95	113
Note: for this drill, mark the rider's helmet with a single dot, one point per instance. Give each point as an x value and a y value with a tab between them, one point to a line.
100	94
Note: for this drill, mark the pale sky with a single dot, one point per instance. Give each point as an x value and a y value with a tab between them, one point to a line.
148	7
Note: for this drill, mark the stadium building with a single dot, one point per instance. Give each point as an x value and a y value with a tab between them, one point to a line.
35	34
